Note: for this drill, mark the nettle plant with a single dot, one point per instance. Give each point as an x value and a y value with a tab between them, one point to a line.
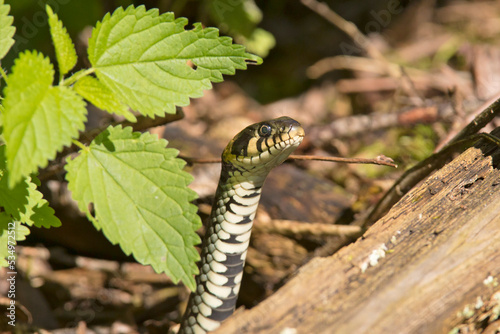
129	184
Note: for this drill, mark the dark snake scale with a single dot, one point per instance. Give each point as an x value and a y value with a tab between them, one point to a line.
246	162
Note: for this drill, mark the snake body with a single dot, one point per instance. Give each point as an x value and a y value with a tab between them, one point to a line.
246	162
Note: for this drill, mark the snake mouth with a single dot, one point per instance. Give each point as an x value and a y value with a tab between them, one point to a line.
297	132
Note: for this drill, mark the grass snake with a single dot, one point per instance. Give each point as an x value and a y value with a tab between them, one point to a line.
246	162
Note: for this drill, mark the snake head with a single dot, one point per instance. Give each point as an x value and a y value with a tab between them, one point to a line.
262	146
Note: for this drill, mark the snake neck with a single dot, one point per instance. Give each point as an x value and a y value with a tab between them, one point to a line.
224	250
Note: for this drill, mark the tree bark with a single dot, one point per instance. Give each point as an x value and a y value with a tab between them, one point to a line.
427	266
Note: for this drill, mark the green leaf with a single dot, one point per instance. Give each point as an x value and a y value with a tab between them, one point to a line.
13	200
239	19
38	119
4	251
240	16
260	41
24	202
38	212
144	57
140	198
100	96
65	50
10	232
6	29
21	231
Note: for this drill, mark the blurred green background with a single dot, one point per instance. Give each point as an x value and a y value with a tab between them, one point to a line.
289	36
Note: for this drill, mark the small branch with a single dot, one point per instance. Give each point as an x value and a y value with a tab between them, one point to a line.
191	161
412	89
380	160
143	123
347	27
292	228
476	121
353	63
85	138
350	126
414	175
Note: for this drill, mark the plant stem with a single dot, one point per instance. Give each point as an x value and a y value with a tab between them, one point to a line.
80	145
77	76
3	74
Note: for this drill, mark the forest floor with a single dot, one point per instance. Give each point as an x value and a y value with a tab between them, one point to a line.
403	91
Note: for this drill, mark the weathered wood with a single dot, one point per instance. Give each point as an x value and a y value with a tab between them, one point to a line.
413	271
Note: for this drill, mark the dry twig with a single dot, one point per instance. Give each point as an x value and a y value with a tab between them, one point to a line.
380	160
293	228
353	63
411	177
348	27
452	136
354	125
143	123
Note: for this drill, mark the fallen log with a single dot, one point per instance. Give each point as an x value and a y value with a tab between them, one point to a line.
430	265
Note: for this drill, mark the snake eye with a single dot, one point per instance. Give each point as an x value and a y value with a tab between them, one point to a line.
265	130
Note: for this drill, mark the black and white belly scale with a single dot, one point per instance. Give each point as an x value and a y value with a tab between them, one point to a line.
224	253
